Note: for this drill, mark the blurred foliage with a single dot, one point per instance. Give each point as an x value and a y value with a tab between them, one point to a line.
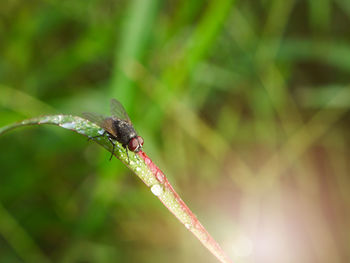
244	104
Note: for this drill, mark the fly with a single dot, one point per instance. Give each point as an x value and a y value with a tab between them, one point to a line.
117	127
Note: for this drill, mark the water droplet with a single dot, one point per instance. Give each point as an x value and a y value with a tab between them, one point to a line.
81	131
44	120
68	125
138	169
188	225
101	131
147	161
160	177
153	168
157	190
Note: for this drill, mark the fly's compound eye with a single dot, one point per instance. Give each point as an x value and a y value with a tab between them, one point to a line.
133	144
139	138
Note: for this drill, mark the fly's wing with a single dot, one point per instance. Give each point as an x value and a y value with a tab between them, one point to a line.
118	111
96	118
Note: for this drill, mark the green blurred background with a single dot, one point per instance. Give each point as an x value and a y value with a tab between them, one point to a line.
243	104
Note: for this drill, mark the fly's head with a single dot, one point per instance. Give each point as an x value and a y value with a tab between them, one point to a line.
135	144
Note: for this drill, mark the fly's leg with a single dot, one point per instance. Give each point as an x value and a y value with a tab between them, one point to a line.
111	141
137	156
127	154
108	137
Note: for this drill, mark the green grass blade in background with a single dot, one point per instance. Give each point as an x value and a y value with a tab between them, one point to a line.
22	103
135	33
20	240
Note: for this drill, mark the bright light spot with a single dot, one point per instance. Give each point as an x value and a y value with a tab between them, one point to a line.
242	247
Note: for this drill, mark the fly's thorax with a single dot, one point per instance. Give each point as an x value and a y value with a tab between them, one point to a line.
124	131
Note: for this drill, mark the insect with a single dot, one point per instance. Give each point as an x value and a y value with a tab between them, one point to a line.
117	127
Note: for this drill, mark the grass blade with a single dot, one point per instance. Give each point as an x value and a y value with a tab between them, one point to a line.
143	167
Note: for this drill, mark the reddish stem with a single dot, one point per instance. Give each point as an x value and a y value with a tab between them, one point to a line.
195	227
